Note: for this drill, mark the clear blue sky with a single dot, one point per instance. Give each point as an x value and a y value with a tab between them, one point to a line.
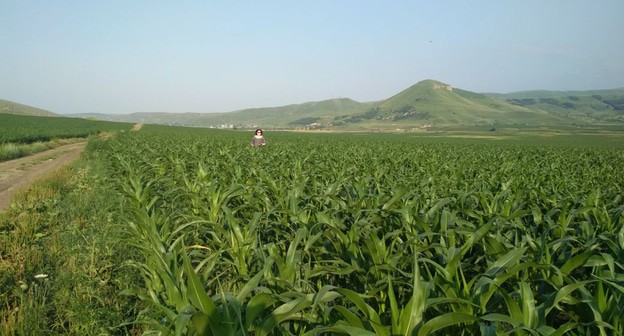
218	56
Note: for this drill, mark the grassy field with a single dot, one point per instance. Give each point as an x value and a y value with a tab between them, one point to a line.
192	231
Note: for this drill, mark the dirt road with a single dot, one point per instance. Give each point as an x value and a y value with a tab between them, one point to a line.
16	175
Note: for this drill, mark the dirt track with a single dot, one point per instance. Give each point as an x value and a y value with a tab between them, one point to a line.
16	175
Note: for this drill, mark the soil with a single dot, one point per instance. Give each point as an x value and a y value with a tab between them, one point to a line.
16	175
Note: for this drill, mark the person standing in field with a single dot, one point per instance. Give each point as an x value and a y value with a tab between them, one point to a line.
258	140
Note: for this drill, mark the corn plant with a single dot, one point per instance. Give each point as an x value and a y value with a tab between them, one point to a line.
331	234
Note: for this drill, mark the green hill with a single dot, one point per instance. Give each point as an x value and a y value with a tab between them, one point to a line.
430	102
297	115
7	106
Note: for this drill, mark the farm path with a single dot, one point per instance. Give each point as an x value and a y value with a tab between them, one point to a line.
16	175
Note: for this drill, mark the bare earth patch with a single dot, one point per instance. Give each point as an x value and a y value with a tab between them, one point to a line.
16	175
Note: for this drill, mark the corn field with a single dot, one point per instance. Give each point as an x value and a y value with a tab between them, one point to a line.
363	235
25	129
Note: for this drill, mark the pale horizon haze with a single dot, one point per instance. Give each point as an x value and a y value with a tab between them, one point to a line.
218	56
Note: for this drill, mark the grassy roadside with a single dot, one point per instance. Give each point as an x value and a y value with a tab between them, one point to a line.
61	263
10	151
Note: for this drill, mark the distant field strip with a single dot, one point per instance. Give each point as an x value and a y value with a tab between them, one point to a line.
28	129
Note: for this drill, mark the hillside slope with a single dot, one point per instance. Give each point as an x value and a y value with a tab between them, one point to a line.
290	116
595	106
296	115
538	94
7	106
431	102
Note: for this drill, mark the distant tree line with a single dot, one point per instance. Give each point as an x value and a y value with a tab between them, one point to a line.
522	102
372	113
549	101
615	103
377	113
305	121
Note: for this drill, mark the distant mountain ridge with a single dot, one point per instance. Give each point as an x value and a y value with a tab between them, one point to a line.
537	94
424	104
592	106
